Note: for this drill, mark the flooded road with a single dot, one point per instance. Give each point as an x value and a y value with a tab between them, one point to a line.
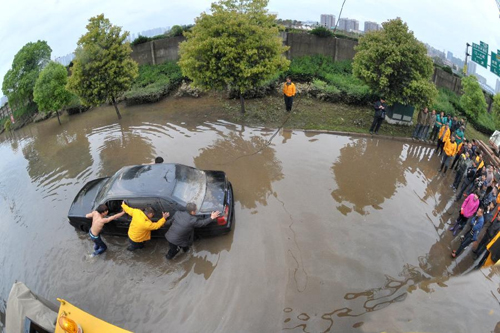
332	233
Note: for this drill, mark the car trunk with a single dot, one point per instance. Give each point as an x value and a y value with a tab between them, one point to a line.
215	193
84	201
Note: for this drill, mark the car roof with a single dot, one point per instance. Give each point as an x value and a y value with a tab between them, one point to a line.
155	180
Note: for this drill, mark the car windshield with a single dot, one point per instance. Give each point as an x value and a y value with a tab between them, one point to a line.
190	185
104	189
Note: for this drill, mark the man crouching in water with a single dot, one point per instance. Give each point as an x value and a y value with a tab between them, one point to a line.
98	222
181	232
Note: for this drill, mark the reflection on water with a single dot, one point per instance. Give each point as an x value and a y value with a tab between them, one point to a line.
367	159
296	245
249	164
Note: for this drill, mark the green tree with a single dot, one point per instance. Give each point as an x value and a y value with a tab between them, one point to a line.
50	89
394	64
237	45
102	69
19	82
472	100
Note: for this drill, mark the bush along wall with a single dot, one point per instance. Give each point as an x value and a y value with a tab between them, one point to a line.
154	83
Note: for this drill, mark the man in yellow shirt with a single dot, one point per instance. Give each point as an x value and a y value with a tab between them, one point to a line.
288	92
444	135
450	149
140	228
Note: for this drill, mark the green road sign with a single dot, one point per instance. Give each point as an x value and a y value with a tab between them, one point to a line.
495	63
480	54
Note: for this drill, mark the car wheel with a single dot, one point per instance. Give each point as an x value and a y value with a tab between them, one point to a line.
84	227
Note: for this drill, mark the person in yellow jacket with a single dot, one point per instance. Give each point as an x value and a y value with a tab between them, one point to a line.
444	135
450	149
140	228
288	93
493	251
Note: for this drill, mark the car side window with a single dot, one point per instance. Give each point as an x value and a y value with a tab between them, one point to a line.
169	206
145	202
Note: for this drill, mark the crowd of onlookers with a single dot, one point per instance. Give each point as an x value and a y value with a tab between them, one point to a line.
474	182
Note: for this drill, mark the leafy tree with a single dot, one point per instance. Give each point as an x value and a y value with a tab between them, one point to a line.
472	100
393	63
237	45
19	82
103	69
496	109
50	89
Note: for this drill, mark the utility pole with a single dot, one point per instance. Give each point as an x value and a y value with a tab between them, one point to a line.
467	45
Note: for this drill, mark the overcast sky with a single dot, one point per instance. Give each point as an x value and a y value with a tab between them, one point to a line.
444	24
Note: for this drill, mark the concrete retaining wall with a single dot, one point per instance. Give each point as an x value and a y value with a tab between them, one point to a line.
301	44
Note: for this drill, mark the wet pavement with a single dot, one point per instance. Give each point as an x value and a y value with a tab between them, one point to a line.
332	233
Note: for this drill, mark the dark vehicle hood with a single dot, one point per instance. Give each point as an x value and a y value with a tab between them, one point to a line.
214	196
85	199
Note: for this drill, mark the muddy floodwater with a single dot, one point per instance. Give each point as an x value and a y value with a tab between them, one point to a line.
332	233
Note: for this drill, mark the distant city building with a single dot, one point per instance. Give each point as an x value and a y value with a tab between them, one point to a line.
371	26
342	24
148	33
497	88
328	21
4	100
352	25
65	60
449	56
471	67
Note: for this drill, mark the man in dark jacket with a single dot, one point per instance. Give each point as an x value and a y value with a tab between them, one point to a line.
492	231
181	232
421	123
379	116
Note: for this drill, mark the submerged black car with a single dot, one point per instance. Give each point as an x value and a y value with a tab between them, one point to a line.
166	188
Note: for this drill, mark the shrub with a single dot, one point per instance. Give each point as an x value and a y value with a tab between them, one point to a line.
140	40
150	94
307	68
75	106
143	39
149	74
178	30
448	69
354	91
442	103
325	92
322	32
484	123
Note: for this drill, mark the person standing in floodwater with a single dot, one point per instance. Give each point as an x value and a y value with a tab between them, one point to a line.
288	93
181	233
98	222
141	225
379	116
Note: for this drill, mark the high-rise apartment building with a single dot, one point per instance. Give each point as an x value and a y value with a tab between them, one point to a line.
471	67
327	21
342	24
352	25
347	24
497	88
449	56
371	26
